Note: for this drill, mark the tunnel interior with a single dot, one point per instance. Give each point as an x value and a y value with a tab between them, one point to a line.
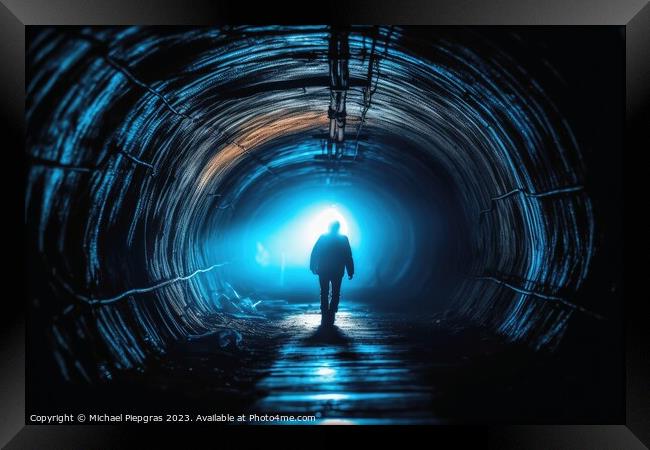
177	174
401	233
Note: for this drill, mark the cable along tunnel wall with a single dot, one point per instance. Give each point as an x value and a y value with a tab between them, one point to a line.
133	133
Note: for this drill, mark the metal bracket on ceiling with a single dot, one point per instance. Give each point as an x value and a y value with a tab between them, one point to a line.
339	55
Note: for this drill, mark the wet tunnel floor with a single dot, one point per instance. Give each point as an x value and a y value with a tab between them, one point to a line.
359	371
373	367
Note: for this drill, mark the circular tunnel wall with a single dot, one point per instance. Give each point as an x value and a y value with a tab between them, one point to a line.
149	147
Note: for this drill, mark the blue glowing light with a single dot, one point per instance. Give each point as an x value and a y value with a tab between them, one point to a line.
322	221
293	241
326	372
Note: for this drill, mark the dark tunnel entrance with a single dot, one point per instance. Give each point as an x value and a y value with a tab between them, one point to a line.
179	177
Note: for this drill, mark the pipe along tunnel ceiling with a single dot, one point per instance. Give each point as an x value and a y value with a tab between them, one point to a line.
158	156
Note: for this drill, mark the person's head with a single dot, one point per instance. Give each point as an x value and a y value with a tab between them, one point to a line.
335	226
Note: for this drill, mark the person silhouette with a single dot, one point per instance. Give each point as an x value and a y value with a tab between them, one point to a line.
330	258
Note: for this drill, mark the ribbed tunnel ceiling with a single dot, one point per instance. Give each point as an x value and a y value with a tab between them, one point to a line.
142	140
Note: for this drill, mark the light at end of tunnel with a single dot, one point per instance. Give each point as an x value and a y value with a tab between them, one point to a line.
291	244
320	223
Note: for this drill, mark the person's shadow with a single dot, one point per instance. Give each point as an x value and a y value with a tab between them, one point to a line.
330	335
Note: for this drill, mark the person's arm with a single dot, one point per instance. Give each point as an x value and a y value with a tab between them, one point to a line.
349	262
315	257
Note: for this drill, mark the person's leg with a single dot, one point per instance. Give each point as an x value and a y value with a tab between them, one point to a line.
336	293
324	293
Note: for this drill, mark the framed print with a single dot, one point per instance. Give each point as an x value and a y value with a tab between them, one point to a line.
384	217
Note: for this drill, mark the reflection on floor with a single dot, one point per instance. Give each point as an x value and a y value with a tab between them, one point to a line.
374	367
355	372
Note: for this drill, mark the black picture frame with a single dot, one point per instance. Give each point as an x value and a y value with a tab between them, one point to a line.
633	15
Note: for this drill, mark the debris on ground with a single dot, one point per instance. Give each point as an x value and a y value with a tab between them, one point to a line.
230	338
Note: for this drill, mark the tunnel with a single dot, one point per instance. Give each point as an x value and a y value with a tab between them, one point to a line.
177	179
